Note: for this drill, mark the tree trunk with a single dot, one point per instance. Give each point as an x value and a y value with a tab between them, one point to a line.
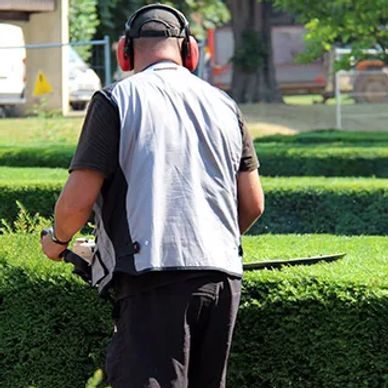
258	84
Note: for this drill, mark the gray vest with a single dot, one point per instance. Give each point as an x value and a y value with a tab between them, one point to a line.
180	151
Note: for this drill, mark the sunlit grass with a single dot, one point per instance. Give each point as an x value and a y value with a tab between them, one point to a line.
39	131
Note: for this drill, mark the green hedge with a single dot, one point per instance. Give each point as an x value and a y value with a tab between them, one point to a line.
53	155
324	153
52	327
278	159
293	205
319	326
329	136
346	206
315	153
36	197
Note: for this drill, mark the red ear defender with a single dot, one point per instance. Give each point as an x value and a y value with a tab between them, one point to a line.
123	58
191	56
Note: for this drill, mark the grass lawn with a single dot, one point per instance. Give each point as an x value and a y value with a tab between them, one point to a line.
39	131
16	175
366	256
31	174
297	114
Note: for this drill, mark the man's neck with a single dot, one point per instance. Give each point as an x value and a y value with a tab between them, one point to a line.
142	64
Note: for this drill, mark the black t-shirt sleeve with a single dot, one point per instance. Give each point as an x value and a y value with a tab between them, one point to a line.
249	161
98	146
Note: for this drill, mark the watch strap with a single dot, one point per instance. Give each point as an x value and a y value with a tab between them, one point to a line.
55	239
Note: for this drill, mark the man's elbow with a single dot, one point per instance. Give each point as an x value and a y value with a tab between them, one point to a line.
257	210
260	209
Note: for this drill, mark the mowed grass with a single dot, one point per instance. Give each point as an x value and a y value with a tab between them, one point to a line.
31	174
34	131
25	175
366	259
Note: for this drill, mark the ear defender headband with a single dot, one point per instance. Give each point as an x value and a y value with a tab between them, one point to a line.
190	51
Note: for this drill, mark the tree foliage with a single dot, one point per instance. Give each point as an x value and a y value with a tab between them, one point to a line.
83	22
202	14
359	24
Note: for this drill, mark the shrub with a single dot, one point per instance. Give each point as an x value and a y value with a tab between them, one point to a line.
319	326
329	136
37	197
324	153
293	205
54	155
319	153
53	328
324	205
319	160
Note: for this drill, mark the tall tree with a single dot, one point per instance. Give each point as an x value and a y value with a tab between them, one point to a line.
254	72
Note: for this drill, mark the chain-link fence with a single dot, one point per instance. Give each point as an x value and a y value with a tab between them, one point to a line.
88	69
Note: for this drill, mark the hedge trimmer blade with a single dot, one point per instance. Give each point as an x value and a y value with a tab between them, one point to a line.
276	264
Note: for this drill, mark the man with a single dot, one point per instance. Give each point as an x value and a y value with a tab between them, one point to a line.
170	169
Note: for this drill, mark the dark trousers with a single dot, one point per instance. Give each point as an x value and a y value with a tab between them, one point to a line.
176	336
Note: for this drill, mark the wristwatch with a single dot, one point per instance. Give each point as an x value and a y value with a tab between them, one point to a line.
54	239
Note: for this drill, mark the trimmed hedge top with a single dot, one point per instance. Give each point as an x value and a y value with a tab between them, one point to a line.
293	205
324	153
366	260
17	175
317	326
329	136
316	153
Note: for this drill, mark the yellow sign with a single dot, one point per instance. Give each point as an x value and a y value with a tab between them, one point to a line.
42	86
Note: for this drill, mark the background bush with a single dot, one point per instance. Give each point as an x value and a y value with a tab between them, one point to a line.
55	155
330	136
324	153
293	205
53	328
318	326
277	159
315	153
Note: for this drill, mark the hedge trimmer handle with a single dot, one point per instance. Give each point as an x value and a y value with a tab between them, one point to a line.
81	267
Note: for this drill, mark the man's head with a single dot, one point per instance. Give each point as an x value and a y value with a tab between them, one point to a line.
157	32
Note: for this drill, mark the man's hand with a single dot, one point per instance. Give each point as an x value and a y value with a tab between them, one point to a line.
72	209
51	249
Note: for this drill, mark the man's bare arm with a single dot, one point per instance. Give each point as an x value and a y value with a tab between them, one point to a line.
250	199
73	208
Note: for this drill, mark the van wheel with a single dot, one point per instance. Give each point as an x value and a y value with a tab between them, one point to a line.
78	105
9	111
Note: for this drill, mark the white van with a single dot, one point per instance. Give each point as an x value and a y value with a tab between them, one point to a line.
12	67
83	81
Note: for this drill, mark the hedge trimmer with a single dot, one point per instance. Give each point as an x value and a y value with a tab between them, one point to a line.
82	255
276	264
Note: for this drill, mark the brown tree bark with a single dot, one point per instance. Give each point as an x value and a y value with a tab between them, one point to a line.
257	85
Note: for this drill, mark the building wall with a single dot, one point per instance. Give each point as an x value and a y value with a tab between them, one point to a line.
48	27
